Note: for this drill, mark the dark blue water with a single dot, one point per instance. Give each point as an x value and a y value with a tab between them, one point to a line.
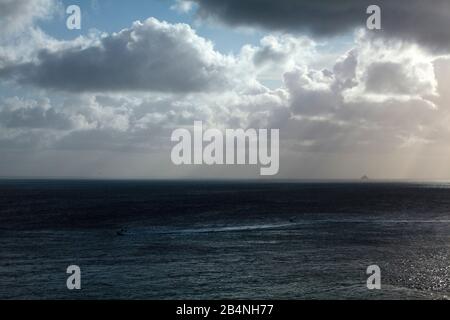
216	240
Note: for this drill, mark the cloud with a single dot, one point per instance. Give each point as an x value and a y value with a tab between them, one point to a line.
395	78
17	113
377	95
121	95
375	98
182	6
311	92
17	15
412	20
149	56
385	70
276	54
280	49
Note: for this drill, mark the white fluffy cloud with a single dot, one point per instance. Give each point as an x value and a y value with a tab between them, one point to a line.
377	96
391	70
151	55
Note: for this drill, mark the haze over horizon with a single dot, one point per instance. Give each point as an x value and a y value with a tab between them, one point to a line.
102	102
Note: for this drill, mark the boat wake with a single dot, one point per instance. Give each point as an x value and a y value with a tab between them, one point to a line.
273	226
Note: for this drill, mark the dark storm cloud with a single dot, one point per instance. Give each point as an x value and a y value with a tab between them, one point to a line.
426	22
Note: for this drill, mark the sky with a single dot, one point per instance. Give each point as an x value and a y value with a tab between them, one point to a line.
102	101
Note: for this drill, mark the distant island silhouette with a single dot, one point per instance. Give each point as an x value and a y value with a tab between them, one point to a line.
364	178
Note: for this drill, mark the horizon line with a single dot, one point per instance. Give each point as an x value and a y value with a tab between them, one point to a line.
216	179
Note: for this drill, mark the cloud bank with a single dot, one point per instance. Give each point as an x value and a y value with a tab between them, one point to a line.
112	100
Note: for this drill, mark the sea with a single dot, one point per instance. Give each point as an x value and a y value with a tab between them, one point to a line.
164	240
